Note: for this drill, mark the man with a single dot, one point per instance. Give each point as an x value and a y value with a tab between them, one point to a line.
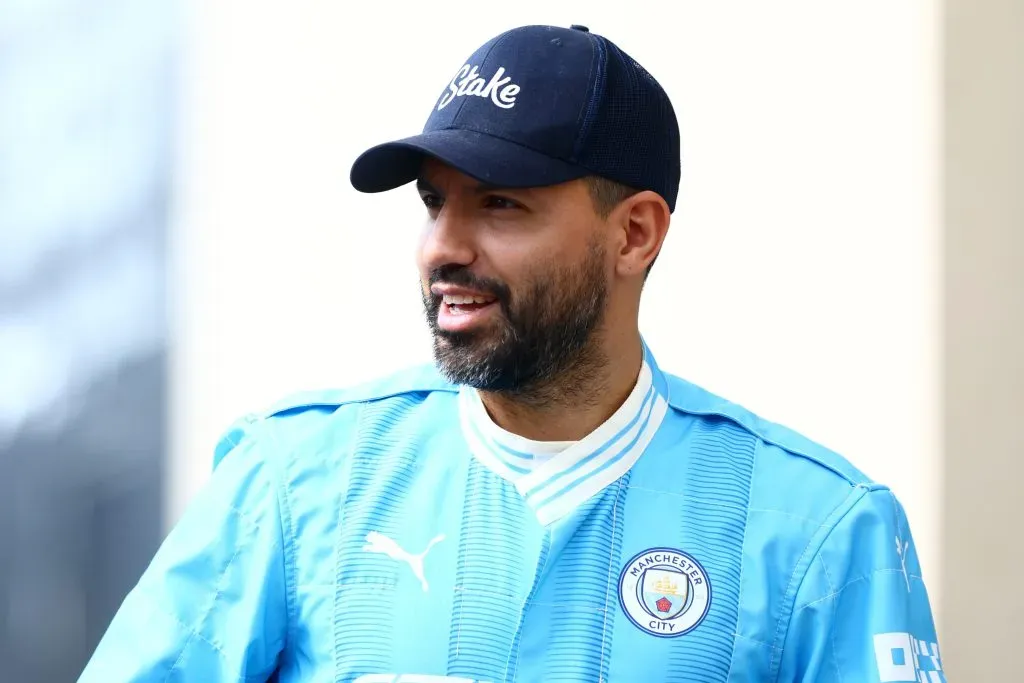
545	504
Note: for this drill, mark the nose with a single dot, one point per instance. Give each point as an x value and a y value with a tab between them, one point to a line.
448	240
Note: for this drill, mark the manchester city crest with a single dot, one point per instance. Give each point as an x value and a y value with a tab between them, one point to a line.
664	592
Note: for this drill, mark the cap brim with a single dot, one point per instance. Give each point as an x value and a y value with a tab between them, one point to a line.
484	157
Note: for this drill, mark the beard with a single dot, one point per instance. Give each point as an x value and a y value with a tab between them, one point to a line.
541	344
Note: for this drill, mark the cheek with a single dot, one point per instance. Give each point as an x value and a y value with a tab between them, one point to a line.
420	259
421	242
422	270
543	262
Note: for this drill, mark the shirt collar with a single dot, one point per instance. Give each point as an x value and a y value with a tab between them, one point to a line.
556	477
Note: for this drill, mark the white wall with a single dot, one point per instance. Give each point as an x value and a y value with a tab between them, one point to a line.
983	374
804	252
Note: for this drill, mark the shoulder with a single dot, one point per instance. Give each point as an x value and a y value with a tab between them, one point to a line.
414	380
797	486
819	524
775	440
297	416
808	492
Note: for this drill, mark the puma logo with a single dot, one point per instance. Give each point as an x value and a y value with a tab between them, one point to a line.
377	542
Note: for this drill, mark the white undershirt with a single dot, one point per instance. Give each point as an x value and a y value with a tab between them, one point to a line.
556	476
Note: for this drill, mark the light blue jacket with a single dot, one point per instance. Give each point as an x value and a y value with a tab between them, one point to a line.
355	535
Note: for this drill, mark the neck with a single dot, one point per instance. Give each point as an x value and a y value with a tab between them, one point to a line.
578	401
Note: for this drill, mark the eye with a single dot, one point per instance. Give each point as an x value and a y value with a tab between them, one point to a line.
431	201
497	202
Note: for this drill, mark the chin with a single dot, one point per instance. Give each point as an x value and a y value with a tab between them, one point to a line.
463	345
459	354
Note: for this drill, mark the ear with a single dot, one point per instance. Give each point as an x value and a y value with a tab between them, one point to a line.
644	219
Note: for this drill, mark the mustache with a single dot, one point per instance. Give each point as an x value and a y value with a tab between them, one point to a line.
462	277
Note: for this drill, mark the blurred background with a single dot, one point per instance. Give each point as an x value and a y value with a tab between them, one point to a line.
179	245
87	120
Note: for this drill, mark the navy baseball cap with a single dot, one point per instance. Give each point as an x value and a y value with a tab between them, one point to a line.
538	106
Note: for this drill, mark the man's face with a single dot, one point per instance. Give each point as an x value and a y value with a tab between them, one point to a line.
514	282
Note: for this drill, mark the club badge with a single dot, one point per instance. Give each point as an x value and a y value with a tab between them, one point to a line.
664	592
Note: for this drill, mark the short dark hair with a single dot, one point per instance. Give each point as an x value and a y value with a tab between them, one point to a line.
606	195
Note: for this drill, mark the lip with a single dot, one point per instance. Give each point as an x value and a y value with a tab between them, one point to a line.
465	321
451	290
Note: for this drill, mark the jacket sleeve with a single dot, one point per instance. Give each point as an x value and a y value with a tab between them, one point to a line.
211	606
862	611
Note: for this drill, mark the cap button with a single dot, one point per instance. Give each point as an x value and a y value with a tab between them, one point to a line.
577	27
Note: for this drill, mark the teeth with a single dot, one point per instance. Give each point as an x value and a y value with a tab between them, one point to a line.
457	299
